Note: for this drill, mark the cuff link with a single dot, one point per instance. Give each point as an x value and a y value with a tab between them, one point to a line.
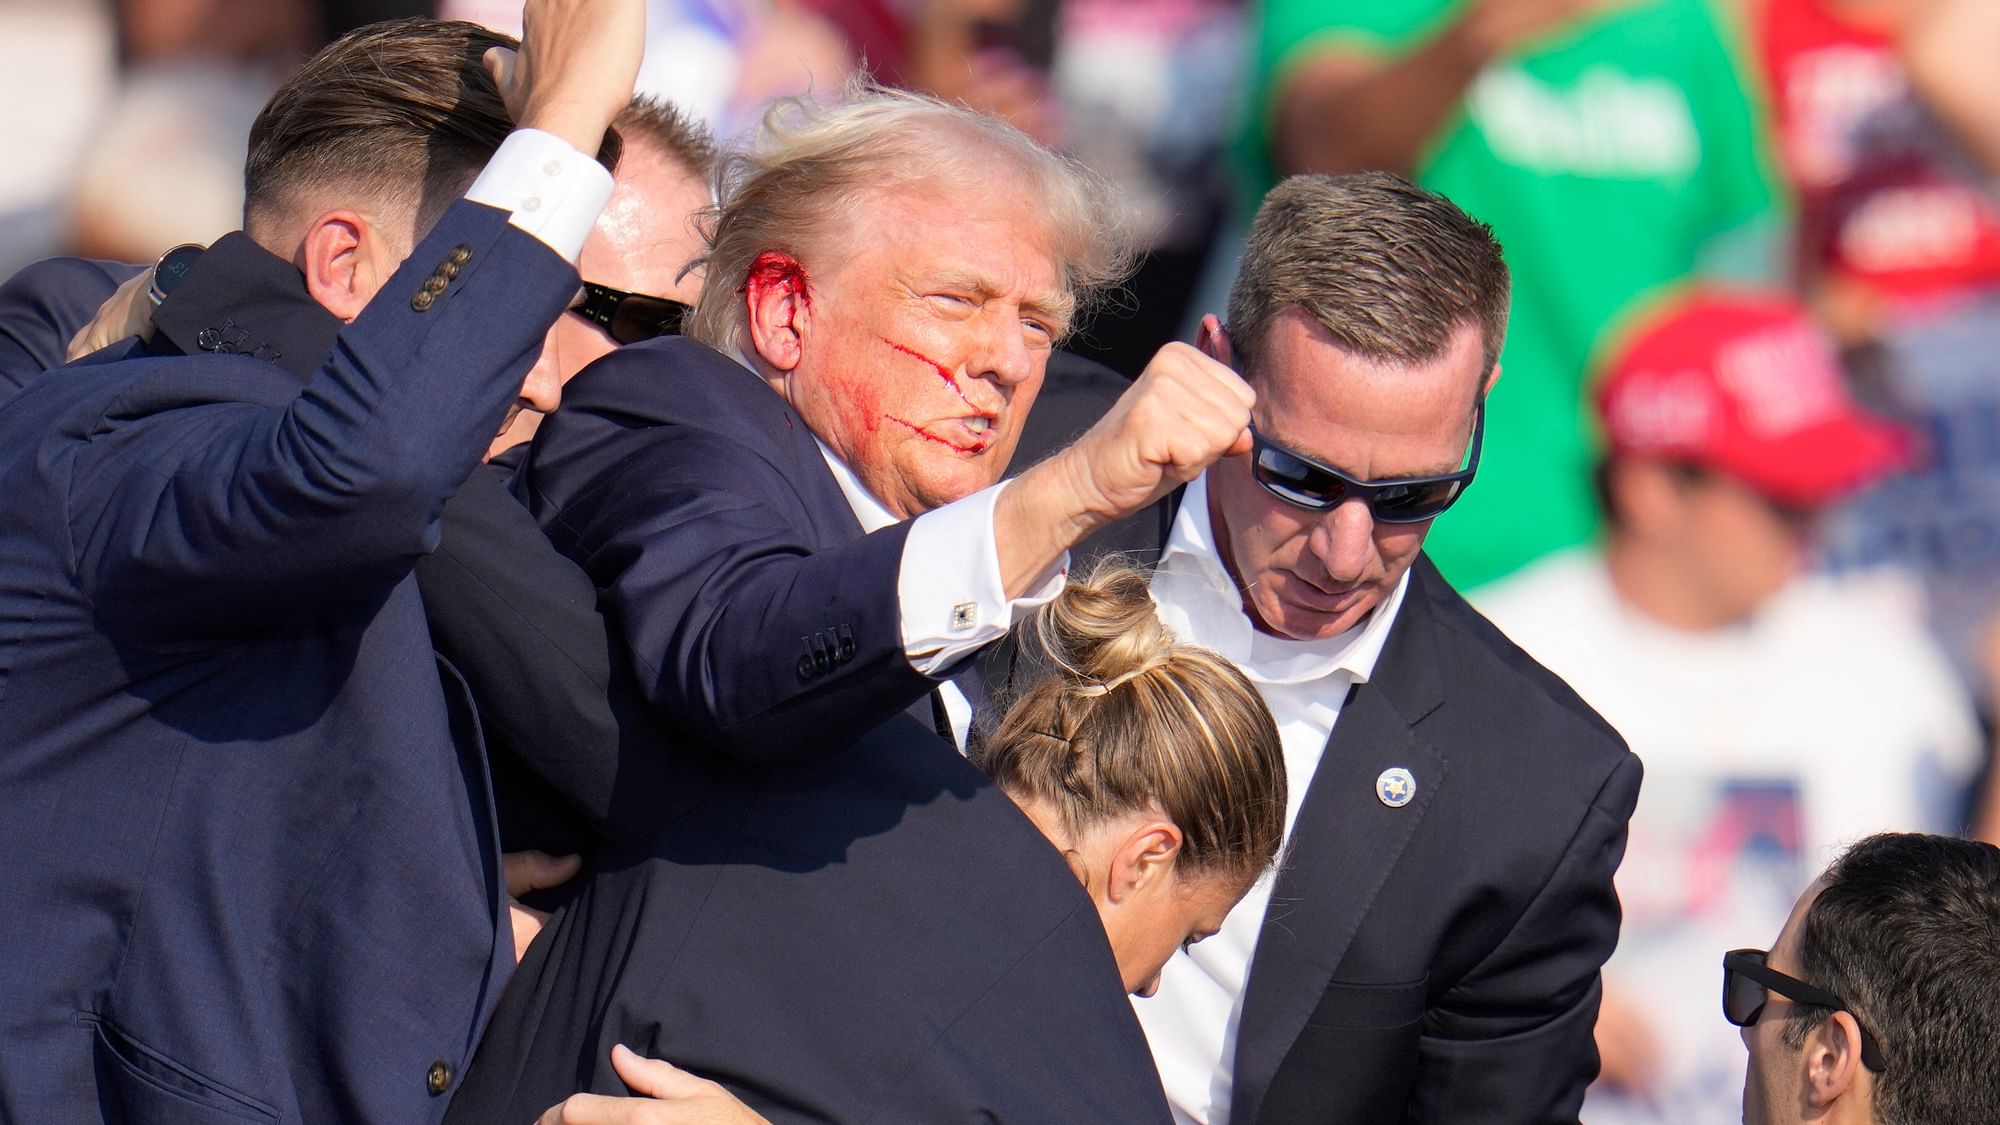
964	616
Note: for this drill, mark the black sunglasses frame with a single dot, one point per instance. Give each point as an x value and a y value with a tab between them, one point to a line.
629	317
1368	490
1750	965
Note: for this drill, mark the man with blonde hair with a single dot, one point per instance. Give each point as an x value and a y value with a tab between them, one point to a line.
886	281
795	519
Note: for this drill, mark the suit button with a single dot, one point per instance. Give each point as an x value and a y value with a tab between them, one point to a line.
423	301
438	1080
460	254
806	667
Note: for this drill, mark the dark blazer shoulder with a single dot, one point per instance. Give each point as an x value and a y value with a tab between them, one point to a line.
1493	665
44	305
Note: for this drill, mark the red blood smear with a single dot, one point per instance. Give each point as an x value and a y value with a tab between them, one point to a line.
943	372
773	268
929	436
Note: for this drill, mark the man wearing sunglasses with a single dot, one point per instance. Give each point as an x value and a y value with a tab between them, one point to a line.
1429	950
1780	712
1880	1001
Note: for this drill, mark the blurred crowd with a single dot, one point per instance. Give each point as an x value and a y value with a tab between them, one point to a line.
1740	474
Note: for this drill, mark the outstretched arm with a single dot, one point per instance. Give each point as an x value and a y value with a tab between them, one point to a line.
202	510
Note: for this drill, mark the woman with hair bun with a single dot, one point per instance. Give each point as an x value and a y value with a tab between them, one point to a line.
884	936
1153	765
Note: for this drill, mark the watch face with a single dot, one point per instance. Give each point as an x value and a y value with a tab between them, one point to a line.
174	265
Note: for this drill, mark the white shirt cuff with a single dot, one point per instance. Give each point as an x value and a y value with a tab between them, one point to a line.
549	189
953	603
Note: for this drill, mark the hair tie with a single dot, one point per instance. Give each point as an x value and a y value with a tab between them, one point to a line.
1091	691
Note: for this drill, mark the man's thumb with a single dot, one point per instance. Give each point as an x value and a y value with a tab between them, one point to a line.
654	1078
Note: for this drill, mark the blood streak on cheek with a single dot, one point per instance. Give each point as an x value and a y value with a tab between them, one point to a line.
929	436
943	372
773	269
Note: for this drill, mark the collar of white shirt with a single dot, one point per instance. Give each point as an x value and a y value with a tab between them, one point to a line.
1201	603
868	511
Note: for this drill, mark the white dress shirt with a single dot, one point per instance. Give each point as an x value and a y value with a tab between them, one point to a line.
1191	1022
949	588
548	189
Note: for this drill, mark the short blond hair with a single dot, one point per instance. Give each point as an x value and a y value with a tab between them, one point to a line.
796	185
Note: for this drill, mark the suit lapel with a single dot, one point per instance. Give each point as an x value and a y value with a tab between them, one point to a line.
1344	846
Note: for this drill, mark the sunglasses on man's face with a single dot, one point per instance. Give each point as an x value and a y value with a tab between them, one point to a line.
1305	483
1747	980
628	317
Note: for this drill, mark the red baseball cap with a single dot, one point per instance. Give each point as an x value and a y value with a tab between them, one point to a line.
1747	385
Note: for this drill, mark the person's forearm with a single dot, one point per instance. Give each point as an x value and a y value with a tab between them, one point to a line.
1185	411
1948	50
1343	110
1037	518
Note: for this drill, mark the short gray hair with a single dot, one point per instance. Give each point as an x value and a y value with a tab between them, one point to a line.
795	187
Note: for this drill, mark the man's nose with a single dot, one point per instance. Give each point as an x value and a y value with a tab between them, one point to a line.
1005	356
1343	540
542	389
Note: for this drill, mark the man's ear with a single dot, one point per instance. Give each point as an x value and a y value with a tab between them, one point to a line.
1833	1067
778	301
1492	378
1143	861
1213	340
339	255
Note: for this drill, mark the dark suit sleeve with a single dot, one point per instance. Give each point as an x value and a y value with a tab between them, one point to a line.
744	632
520	623
43	306
1512	1041
192	517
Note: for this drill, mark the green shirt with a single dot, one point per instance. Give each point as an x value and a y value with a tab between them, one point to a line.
1604	158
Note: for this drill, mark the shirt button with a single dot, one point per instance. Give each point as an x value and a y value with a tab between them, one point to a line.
532	203
553	168
438	1080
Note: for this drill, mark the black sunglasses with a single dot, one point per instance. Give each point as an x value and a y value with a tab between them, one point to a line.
1301	481
1745	979
628	317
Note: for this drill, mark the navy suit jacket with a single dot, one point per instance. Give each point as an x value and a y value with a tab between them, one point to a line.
1438	962
252	869
839	917
43	306
571	749
761	623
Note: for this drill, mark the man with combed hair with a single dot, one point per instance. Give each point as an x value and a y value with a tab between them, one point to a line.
1429	950
513	617
254	873
1879	1004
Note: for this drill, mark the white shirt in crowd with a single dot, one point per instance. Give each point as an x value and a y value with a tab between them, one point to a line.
1191	1021
1767	745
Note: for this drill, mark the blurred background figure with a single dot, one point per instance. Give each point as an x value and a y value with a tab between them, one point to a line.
1886	113
1779	713
1609	143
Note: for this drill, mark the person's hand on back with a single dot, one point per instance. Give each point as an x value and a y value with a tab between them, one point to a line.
668	1095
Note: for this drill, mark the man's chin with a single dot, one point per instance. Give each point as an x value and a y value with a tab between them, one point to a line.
1301	621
